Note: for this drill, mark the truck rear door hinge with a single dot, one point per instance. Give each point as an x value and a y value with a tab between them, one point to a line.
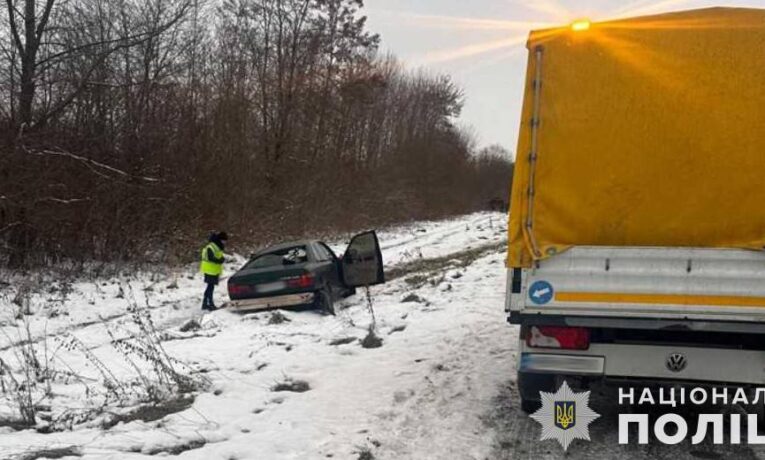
515	285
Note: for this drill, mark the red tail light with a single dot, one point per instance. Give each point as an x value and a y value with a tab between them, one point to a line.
303	281
237	289
565	338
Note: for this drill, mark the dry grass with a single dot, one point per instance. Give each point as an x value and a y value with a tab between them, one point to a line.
159	384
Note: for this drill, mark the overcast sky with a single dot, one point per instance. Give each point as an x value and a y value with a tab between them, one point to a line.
481	44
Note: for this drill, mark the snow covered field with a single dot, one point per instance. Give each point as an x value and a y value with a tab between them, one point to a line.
427	392
293	384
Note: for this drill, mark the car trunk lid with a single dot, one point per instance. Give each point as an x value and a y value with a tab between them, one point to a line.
268	281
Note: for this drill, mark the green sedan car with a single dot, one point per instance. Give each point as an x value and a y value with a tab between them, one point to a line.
306	273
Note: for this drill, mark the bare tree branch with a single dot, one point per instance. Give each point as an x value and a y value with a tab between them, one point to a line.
90	162
44	19
14	27
10	226
62	200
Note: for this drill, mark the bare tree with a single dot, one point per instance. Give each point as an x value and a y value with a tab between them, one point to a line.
130	127
41	48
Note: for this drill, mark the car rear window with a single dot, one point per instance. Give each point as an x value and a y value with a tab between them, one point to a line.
286	256
323	252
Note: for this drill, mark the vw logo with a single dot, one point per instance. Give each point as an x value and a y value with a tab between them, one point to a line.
676	362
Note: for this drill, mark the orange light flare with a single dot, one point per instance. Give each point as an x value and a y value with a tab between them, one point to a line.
547	30
606	36
519	34
477	24
612	38
666	72
668	23
644	7
550	8
581	25
475	49
620	17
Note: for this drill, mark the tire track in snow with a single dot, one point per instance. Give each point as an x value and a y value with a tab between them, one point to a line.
441	416
435	235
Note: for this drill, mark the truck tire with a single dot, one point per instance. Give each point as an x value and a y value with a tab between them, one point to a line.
530	406
529	386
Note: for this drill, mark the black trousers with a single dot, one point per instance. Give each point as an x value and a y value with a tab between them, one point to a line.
207	300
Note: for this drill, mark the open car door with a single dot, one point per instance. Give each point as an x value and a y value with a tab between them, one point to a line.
362	263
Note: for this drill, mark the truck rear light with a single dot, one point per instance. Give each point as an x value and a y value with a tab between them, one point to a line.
303	281
565	338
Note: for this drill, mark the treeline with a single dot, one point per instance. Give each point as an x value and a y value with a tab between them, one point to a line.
129	128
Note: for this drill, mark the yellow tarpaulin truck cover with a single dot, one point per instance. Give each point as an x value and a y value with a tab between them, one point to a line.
643	132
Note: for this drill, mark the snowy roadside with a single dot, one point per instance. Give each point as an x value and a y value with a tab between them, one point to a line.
175	292
424	394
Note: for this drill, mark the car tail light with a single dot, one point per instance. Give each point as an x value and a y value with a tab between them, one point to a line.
566	338
238	289
303	281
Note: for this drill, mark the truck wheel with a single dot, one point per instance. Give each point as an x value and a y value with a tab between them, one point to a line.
324	302
530	406
529	386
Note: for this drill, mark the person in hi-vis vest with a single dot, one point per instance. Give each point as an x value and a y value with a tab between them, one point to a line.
212	266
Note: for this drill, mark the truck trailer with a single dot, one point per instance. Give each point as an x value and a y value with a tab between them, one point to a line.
637	216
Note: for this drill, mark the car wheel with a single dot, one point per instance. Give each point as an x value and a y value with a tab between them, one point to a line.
324	302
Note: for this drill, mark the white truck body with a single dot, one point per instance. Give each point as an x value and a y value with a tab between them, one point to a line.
706	305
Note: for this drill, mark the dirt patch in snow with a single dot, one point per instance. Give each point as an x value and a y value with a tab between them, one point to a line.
15	424
365	454
178	448
278	317
371	340
62	452
295	386
153	412
342	341
399	328
190	326
423	269
414	298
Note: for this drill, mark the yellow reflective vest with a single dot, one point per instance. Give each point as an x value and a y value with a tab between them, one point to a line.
210	267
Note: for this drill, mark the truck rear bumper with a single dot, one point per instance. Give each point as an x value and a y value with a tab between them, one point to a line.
543	363
265	303
629	361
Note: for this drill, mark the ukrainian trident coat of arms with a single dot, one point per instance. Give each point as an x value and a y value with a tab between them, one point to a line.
565	414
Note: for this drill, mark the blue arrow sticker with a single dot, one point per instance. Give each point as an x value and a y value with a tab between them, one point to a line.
541	292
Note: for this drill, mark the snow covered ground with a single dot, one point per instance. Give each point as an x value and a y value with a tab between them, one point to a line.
294	385
427	392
